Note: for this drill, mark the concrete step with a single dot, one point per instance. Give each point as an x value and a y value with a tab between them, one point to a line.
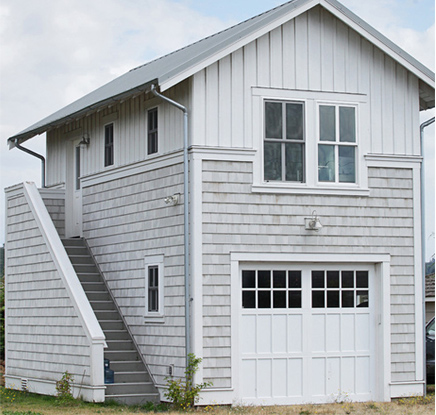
70	242
129	388
121	355
89	277
126	366
112	325
120	345
82	260
131	377
94	286
103	305
134	399
98	295
107	315
116	335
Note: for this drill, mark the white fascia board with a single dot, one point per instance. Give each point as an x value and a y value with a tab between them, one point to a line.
332	7
171	81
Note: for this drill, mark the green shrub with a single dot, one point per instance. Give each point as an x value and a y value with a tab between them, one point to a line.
64	393
185	394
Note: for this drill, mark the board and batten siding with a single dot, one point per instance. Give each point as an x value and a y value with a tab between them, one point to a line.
126	219
313	52
235	219
44	334
130	134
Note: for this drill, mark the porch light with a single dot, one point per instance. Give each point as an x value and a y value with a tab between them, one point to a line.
85	140
172	200
313	223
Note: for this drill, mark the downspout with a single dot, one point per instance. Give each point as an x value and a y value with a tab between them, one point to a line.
186	217
26	150
423	240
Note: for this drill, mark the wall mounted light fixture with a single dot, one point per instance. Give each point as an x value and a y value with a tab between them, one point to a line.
172	200
313	223
85	140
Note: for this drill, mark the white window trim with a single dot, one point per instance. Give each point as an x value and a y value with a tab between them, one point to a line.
155	316
311	101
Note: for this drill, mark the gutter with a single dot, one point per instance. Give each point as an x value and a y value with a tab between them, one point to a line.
186	217
423	240
32	153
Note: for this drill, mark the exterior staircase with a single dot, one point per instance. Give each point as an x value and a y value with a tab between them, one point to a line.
132	382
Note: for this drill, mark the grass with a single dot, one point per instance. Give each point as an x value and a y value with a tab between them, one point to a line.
24	403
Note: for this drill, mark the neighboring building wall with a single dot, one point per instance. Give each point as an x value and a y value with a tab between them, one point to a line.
130	134
44	336
235	219
125	219
314	52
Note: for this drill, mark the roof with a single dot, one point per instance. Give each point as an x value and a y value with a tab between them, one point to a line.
173	68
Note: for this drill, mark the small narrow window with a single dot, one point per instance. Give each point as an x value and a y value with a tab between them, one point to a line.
153	289
109	145
77	175
152	131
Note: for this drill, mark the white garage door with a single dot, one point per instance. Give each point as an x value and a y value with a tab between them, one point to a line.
306	334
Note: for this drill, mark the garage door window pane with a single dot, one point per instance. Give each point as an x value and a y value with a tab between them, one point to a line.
264	299
294	299
362	279
264	279
317	279
347	279
279	279
347	298
248	279
332	279
279	299
318	299
333	299
362	299
248	299
294	278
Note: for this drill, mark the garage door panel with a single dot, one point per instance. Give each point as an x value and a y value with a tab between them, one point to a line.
362	375
333	382
264	334
248	380
279	334
333	333
318	333
295	333
279	378
295	377
248	334
347	333
348	375
318	377
264	378
362	332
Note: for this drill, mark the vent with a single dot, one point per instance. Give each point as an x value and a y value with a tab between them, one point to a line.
24	385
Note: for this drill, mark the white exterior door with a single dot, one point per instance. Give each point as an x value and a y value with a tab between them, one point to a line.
307	334
73	207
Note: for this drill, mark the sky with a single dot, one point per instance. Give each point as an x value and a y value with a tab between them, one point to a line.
53	52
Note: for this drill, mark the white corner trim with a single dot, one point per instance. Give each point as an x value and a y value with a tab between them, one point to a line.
63	265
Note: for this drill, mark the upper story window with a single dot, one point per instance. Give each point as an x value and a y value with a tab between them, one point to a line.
284	143
337	144
152	137
108	145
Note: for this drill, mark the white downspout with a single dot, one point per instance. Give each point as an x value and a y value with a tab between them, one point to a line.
186	217
423	240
